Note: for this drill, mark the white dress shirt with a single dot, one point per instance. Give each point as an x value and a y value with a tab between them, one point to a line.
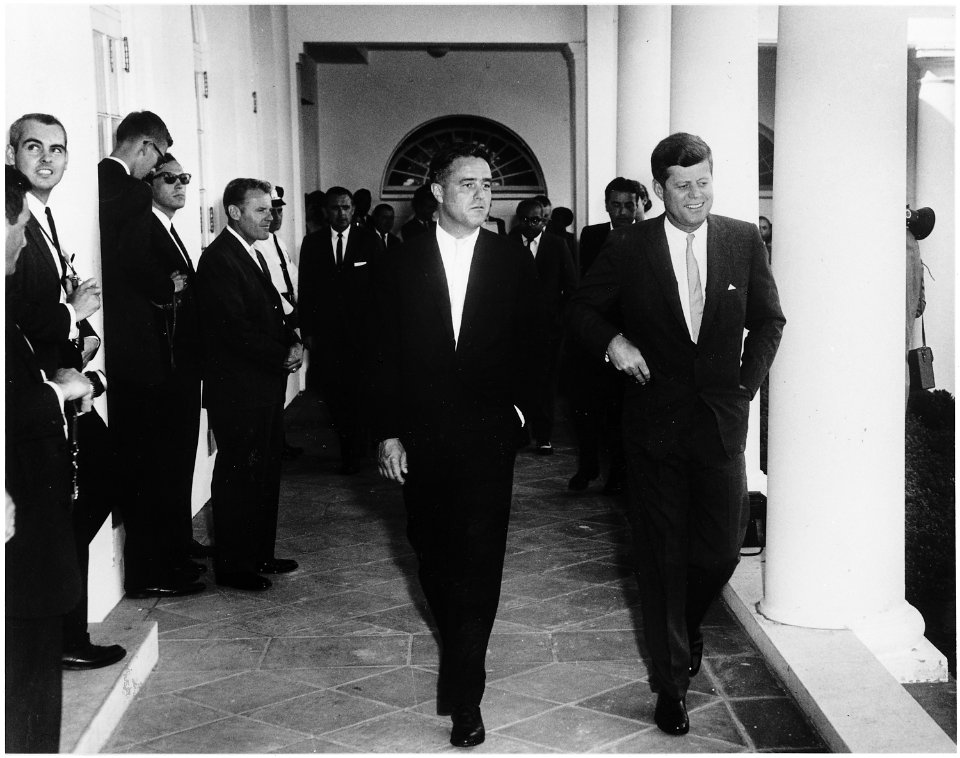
38	209
268	248
677	242
457	255
533	245
249	248
333	241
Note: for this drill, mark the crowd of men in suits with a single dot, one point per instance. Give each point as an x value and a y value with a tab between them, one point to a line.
444	350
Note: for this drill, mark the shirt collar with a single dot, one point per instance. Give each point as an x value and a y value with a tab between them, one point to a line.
37	207
334	233
444	238
121	162
248	248
673	232
164	218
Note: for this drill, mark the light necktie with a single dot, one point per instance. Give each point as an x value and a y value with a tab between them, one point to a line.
694	289
339	250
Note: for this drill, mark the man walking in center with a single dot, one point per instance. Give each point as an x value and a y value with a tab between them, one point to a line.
686	285
456	338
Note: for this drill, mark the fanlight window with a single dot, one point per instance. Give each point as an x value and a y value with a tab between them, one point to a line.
515	170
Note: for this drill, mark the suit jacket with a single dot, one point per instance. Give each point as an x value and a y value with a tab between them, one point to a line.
33	292
42	572
415	227
556	277
393	241
245	339
591	240
634	276
426	384
334	305
138	307
122	198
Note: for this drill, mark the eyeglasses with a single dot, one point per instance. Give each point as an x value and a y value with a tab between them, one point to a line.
173	178
533	220
154	146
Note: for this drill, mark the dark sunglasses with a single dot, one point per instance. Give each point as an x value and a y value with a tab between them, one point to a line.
173	178
532	220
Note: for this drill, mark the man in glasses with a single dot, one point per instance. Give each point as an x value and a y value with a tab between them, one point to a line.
51	305
557	280
154	399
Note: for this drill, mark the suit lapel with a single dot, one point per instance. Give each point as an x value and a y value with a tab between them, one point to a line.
477	283
662	266
246	261
436	282
717	274
34	230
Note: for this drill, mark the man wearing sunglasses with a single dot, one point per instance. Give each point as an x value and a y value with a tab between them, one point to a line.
154	397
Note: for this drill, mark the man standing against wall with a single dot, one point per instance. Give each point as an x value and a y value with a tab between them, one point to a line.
249	351
687	284
456	344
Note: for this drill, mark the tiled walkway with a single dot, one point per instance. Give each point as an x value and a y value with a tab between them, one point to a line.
339	656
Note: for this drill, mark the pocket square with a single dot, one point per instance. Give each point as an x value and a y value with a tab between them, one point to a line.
730	287
359	263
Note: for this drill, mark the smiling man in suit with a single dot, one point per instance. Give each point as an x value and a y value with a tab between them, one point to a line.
457	323
154	398
248	352
334	308
687	284
557	280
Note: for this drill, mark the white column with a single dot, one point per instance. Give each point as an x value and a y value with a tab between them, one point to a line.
714	94
601	112
835	538
575	54
936	189
643	90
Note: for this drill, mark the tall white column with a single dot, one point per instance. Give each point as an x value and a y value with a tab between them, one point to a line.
643	90
601	112
714	94
835	537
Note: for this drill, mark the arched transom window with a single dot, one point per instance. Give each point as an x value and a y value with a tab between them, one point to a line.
516	171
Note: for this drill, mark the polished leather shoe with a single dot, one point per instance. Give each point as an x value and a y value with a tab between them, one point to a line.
277	566
90	656
696	654
671	715
244	580
580	481
467	727
179	589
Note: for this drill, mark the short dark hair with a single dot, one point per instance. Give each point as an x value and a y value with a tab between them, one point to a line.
645	198
335	192
16	128
17	186
621	184
143	124
563	217
381	206
679	149
442	161
237	189
152	173
543	200
527	205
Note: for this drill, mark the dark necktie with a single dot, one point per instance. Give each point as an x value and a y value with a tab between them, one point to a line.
54	237
263	263
339	250
183	249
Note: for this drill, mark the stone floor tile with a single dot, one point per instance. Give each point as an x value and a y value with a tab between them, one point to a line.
214	654
168	621
161	682
654	741
555	614
724	641
594	572
350	604
402	687
330	676
501	707
407	618
245	692
560	683
571	729
213	630
236	734
542	586
598	645
775	723
519	648
218	605
306	652
637	701
402	731
320	712
149	718
744	676
314	745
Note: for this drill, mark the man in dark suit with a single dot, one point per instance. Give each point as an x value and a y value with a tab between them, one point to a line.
686	408
597	392
424	206
557	280
51	306
560	219
248	352
334	309
42	572
382	223
457	343
154	396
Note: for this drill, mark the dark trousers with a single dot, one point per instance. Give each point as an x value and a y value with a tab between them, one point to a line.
34	684
541	414
99	494
245	492
597	406
689	512
156	432
340	384
457	496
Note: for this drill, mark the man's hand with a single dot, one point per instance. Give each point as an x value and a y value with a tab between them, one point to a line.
294	358
179	281
11	517
73	384
392	460
90	346
625	357
85	298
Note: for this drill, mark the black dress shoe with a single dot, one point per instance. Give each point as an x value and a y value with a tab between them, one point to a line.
199	550
614	485
277	566
179	589
696	654
467	727
90	656
580	481
671	715
244	580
